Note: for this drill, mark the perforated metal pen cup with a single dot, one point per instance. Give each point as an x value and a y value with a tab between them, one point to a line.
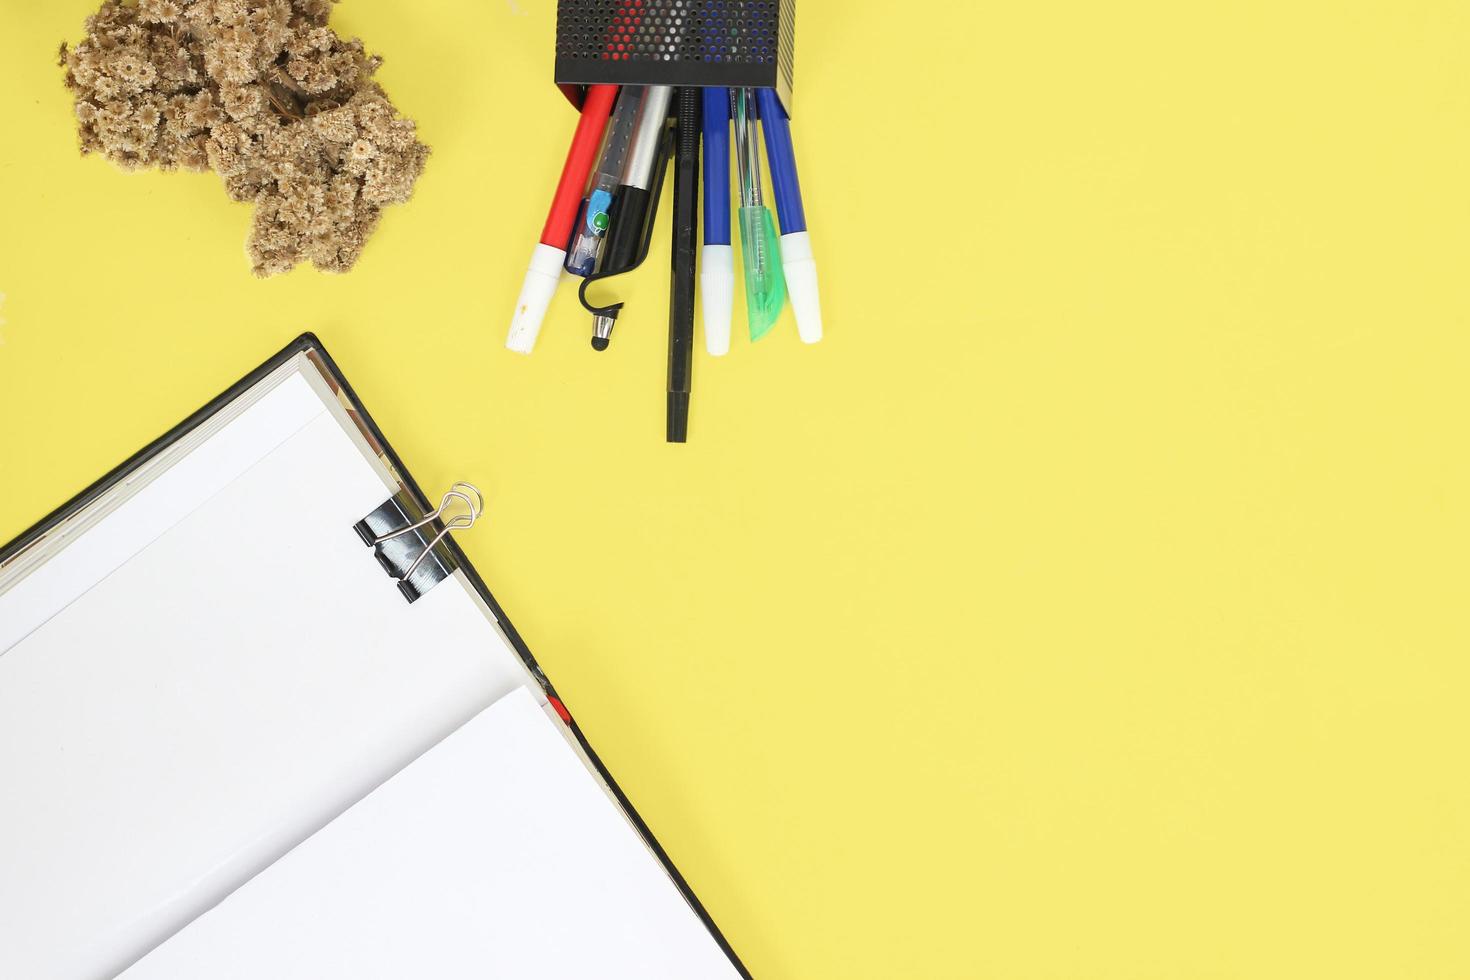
676	42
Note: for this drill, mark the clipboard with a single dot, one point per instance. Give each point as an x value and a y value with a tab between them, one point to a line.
405	537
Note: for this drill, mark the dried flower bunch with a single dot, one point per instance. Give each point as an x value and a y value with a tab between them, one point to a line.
265	94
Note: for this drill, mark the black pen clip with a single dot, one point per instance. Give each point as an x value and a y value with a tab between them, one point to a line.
604	317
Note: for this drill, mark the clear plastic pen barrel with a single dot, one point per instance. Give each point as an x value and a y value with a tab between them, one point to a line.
765	285
590	232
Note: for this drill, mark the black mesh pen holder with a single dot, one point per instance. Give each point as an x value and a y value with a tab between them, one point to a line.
676	42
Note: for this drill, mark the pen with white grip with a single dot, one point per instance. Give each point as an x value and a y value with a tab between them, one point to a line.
547	258
796	245
717	258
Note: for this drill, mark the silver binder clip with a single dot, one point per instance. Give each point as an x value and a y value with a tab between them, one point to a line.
398	532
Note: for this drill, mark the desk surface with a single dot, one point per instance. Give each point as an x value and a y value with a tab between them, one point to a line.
1089	605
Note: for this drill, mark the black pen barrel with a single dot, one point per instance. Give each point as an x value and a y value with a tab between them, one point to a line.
625	219
681	290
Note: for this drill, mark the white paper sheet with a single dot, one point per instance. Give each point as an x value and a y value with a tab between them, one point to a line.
494	855
160	505
224	692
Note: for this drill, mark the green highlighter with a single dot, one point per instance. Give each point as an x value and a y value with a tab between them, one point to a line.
765	283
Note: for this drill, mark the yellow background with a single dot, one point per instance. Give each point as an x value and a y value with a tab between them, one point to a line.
1091	604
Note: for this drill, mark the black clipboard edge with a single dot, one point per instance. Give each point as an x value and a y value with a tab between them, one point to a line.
309	344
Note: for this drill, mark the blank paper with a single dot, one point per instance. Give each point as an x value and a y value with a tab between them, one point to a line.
218	696
494	855
156	507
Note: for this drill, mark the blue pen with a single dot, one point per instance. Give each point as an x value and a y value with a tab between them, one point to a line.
796	245
717	260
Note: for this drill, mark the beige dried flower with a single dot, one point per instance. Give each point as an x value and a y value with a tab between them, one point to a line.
267	95
158	11
335	125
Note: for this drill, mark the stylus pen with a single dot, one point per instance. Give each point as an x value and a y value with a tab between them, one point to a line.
590	231
796	245
546	261
681	290
717	259
630	203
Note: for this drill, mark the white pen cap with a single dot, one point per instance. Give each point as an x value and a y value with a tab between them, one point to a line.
717	288
542	279
801	284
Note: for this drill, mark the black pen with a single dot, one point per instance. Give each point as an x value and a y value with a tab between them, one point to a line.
681	288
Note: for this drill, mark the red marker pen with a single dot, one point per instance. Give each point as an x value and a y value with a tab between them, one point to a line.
546	261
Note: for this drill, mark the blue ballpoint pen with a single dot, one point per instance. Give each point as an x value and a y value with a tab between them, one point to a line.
796	245
717	259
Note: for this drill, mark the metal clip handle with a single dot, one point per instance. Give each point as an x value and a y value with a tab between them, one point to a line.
383	526
459	491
